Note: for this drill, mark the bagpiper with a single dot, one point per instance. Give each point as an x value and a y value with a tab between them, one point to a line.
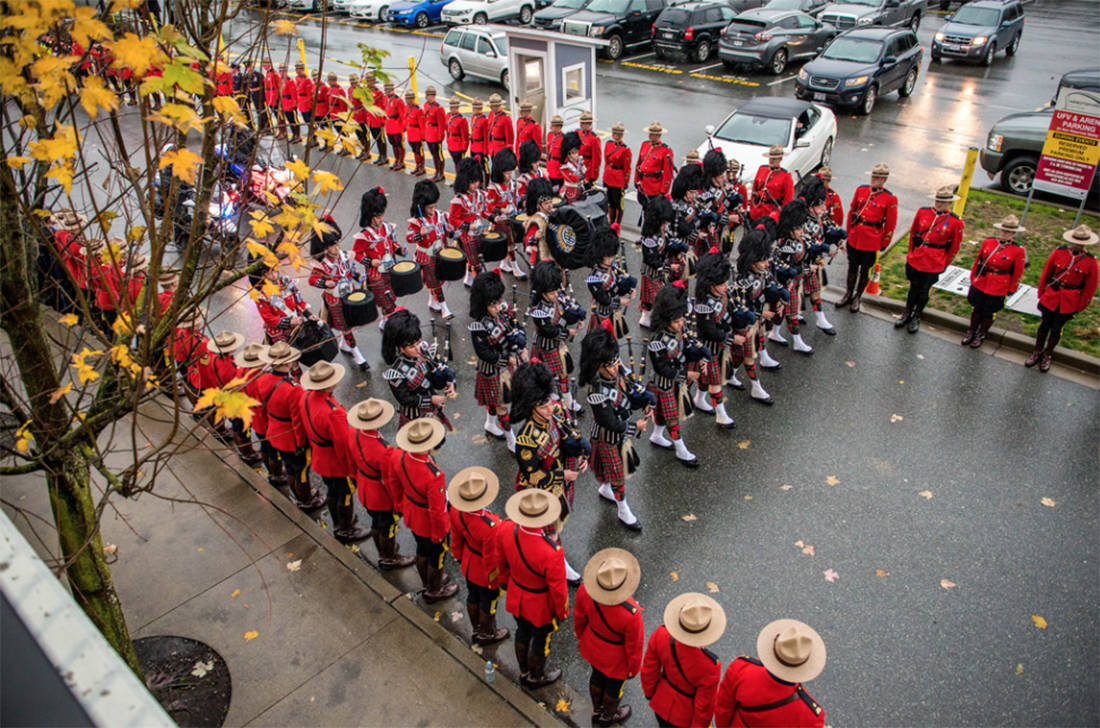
670	352
610	285
500	345
934	240
1066	288
750	292
996	273
474	545
685	191
572	167
500	206
616	172
419	380
714	325
824	238
375	247
656	238
792	250
738	196
467	213
716	203
772	188
430	232
834	208
556	322
871	221
335	274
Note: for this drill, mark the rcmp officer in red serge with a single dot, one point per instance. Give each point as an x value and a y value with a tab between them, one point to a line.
554	138
527	129
610	631
934	240
591	151
871	221
616	173
680	676
772	188
435	128
656	166
501	135
995	274
768	691
532	566
474	544
326	426
1065	289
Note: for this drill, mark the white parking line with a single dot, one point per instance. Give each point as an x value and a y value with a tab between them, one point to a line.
778	81
644	55
706	68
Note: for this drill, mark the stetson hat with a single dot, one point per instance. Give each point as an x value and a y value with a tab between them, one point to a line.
495	100
791	650
353	79
251	356
191	319
695	619
299	64
283	67
430	91
880	170
586	117
225	342
68	219
733	164
526	106
92	246
281	353
612	576
1011	224
556	120
533	507
322	375
472	489
826	172
455	102
168	278
410	94
945	194
421	435
692	156
775	150
138	262
331	77
370	414
476	103
618	128
1081	235
387	86
655	128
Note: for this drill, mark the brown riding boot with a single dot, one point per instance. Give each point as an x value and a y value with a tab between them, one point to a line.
487	631
276	473
1047	358
438	589
1034	358
849	289
975	320
305	495
244	448
522	648
595	692
537	674
612	712
979	335
344	526
388	557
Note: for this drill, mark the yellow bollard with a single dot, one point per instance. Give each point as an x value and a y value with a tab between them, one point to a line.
412	74
302	54
964	181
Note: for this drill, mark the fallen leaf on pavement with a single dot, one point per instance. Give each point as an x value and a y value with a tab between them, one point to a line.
799	543
675	576
236	593
1019	668
361	384
920	356
809	550
690	517
437	615
850	363
456	616
200	549
201	668
896	418
1048	502
901	381
294	565
748	497
785	487
831	576
832	480
563	706
947	584
882	573
289	555
1039	621
69	319
712	587
353	547
744	444
251	635
925	494
456	415
110	548
477	649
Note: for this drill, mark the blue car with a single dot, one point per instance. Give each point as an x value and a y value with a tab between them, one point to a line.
420	14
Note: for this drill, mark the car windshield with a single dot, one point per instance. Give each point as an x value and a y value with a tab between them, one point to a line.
759	130
853	49
675	16
977	16
784	5
871	3
570	4
615	7
501	43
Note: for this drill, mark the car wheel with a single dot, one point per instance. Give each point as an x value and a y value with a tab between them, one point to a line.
384	15
914	22
779	61
504	79
1011	50
1018	174
615	47
869	99
422	20
826	153
481	18
456	70
702	51
659	53
987	59
525	14
906	89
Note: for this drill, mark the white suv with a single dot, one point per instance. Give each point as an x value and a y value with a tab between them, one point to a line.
475	51
371	9
465	12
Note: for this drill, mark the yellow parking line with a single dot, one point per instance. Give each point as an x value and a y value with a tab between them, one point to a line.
428	33
724	79
661	69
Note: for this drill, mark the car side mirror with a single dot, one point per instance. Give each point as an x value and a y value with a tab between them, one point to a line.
709	129
802	144
890	60
948	18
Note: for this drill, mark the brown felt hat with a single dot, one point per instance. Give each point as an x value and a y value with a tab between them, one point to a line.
1081	235
281	353
421	435
495	100
455	102
692	156
695	619
472	489
586	117
1011	224
775	150
225	342
612	576
556	120
430	91
192	319
791	650
370	414
655	128
880	170
533	508
322	375
251	356
168	278
476	103
410	94
526	106
618	128
945	194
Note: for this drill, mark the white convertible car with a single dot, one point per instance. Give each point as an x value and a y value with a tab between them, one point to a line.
805	130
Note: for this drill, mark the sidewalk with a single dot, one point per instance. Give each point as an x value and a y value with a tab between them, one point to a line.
336	645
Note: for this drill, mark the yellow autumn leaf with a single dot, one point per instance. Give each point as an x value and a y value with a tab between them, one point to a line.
261	224
1039	621
227	106
287	220
319	227
17	162
712	587
284	27
60	392
251	635
63	172
925	494
136	233
94	95
563	706
327	136
136	53
69	319
86	26
23	445
293	254
119	5
85	372
1048	502
299	168
258	250
229	402
54	78
744	444
832	480
882	573
236	593
120	354
179	116
270	289
947	584
62	145
184	164
1019	668
327	182
675	576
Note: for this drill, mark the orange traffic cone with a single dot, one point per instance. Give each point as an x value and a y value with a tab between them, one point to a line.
872	285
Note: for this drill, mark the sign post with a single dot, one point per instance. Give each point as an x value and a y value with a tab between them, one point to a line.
1072	148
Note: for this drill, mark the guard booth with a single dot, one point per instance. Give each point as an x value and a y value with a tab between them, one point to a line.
554	71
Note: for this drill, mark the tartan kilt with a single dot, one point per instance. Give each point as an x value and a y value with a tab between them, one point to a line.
487	390
667	411
744	350
712	373
427	269
700	245
335	309
811	283
471	246
553	360
607	463
383	293
650	286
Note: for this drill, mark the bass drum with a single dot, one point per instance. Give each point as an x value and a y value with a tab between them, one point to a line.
405	278
450	264
316	341
359	308
572	227
493	246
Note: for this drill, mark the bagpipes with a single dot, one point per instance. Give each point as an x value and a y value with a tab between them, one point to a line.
515	342
639	397
440	374
573	443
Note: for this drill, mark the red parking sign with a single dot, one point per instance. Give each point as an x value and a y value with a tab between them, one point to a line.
1072	147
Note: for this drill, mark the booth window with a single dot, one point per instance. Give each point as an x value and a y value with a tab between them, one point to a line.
573	81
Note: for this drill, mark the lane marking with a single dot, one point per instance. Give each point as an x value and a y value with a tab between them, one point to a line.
661	69
778	81
707	68
725	79
644	55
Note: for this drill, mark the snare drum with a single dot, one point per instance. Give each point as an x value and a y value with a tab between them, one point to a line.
405	278
494	246
450	264
359	308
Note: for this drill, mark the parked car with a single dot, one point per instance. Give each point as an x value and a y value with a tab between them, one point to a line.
740	6
480	12
690	30
310	6
370	9
550	17
806	131
1086	79
859	66
339	6
622	23
772	38
979	30
475	51
857	13
417	13
812	8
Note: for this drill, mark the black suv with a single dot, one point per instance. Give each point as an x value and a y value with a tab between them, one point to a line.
690	30
978	30
772	38
622	23
860	65
550	17
813	8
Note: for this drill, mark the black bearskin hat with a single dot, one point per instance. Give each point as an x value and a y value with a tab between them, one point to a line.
690	177
714	164
792	216
571	141
545	277
755	246
605	244
529	156
814	191
402	329
487	289
538	189
469	170
598	349
532	384
670	304
425	193
318	244
713	269
657	213
372	204
503	161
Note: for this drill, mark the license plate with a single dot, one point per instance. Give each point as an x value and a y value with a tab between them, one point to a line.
819	96
739	42
951	47
668	34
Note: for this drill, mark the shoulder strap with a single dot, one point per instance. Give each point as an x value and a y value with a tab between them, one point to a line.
515	537
676	659
770	706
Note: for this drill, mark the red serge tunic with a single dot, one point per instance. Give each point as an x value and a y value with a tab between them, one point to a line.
474	544
751	696
395	115
320	103
337	100
458	133
303	88
591	153
414	123
533	566
553	154
424	491
326	426
771	190
375	484
501	135
872	219
680	681
281	398
934	239
653	175
435	122
617	157
528	130
610	638
479	134
1068	281
998	267
289	91
271	88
